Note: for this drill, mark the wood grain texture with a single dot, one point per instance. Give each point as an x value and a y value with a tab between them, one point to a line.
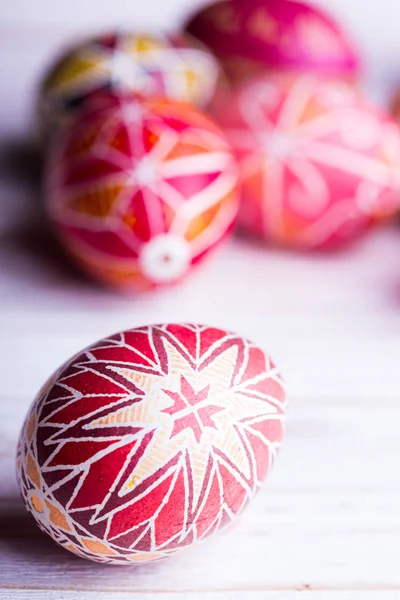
21	594
327	524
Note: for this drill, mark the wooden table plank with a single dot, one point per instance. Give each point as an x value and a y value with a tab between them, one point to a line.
339	594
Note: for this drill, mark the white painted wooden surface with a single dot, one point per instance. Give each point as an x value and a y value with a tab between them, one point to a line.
327	525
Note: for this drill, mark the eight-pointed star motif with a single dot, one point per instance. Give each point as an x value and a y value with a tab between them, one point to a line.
191	409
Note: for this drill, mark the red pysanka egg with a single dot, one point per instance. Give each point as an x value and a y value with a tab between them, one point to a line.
253	36
153	65
141	190
318	164
150	440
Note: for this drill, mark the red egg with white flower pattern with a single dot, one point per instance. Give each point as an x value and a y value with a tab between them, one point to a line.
141	190
319	165
253	36
150	440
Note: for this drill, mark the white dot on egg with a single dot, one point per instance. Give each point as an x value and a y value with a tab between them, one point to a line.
165	258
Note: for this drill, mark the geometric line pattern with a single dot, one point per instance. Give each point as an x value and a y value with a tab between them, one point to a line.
150	440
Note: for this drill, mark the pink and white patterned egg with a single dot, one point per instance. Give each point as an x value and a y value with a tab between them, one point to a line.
150	440
140	191
253	36
319	165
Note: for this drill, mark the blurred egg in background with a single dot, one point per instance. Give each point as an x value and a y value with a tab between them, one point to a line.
140	190
257	36
170	66
319	165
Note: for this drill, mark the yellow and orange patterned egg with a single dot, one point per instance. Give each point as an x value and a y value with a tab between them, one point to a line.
319	165
140	190
174	67
150	440
254	36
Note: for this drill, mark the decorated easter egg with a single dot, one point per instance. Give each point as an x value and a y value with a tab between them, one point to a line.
257	35
150	440
318	164
169	66
141	191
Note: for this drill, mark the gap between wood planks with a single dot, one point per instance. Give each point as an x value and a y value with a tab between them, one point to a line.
275	588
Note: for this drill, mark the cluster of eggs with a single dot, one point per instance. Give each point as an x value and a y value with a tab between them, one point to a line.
142	185
319	165
155	438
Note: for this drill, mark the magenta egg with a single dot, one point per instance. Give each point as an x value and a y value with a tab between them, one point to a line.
253	36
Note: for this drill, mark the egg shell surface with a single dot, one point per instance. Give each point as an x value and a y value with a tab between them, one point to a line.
257	35
171	66
150	440
140	191
319	165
